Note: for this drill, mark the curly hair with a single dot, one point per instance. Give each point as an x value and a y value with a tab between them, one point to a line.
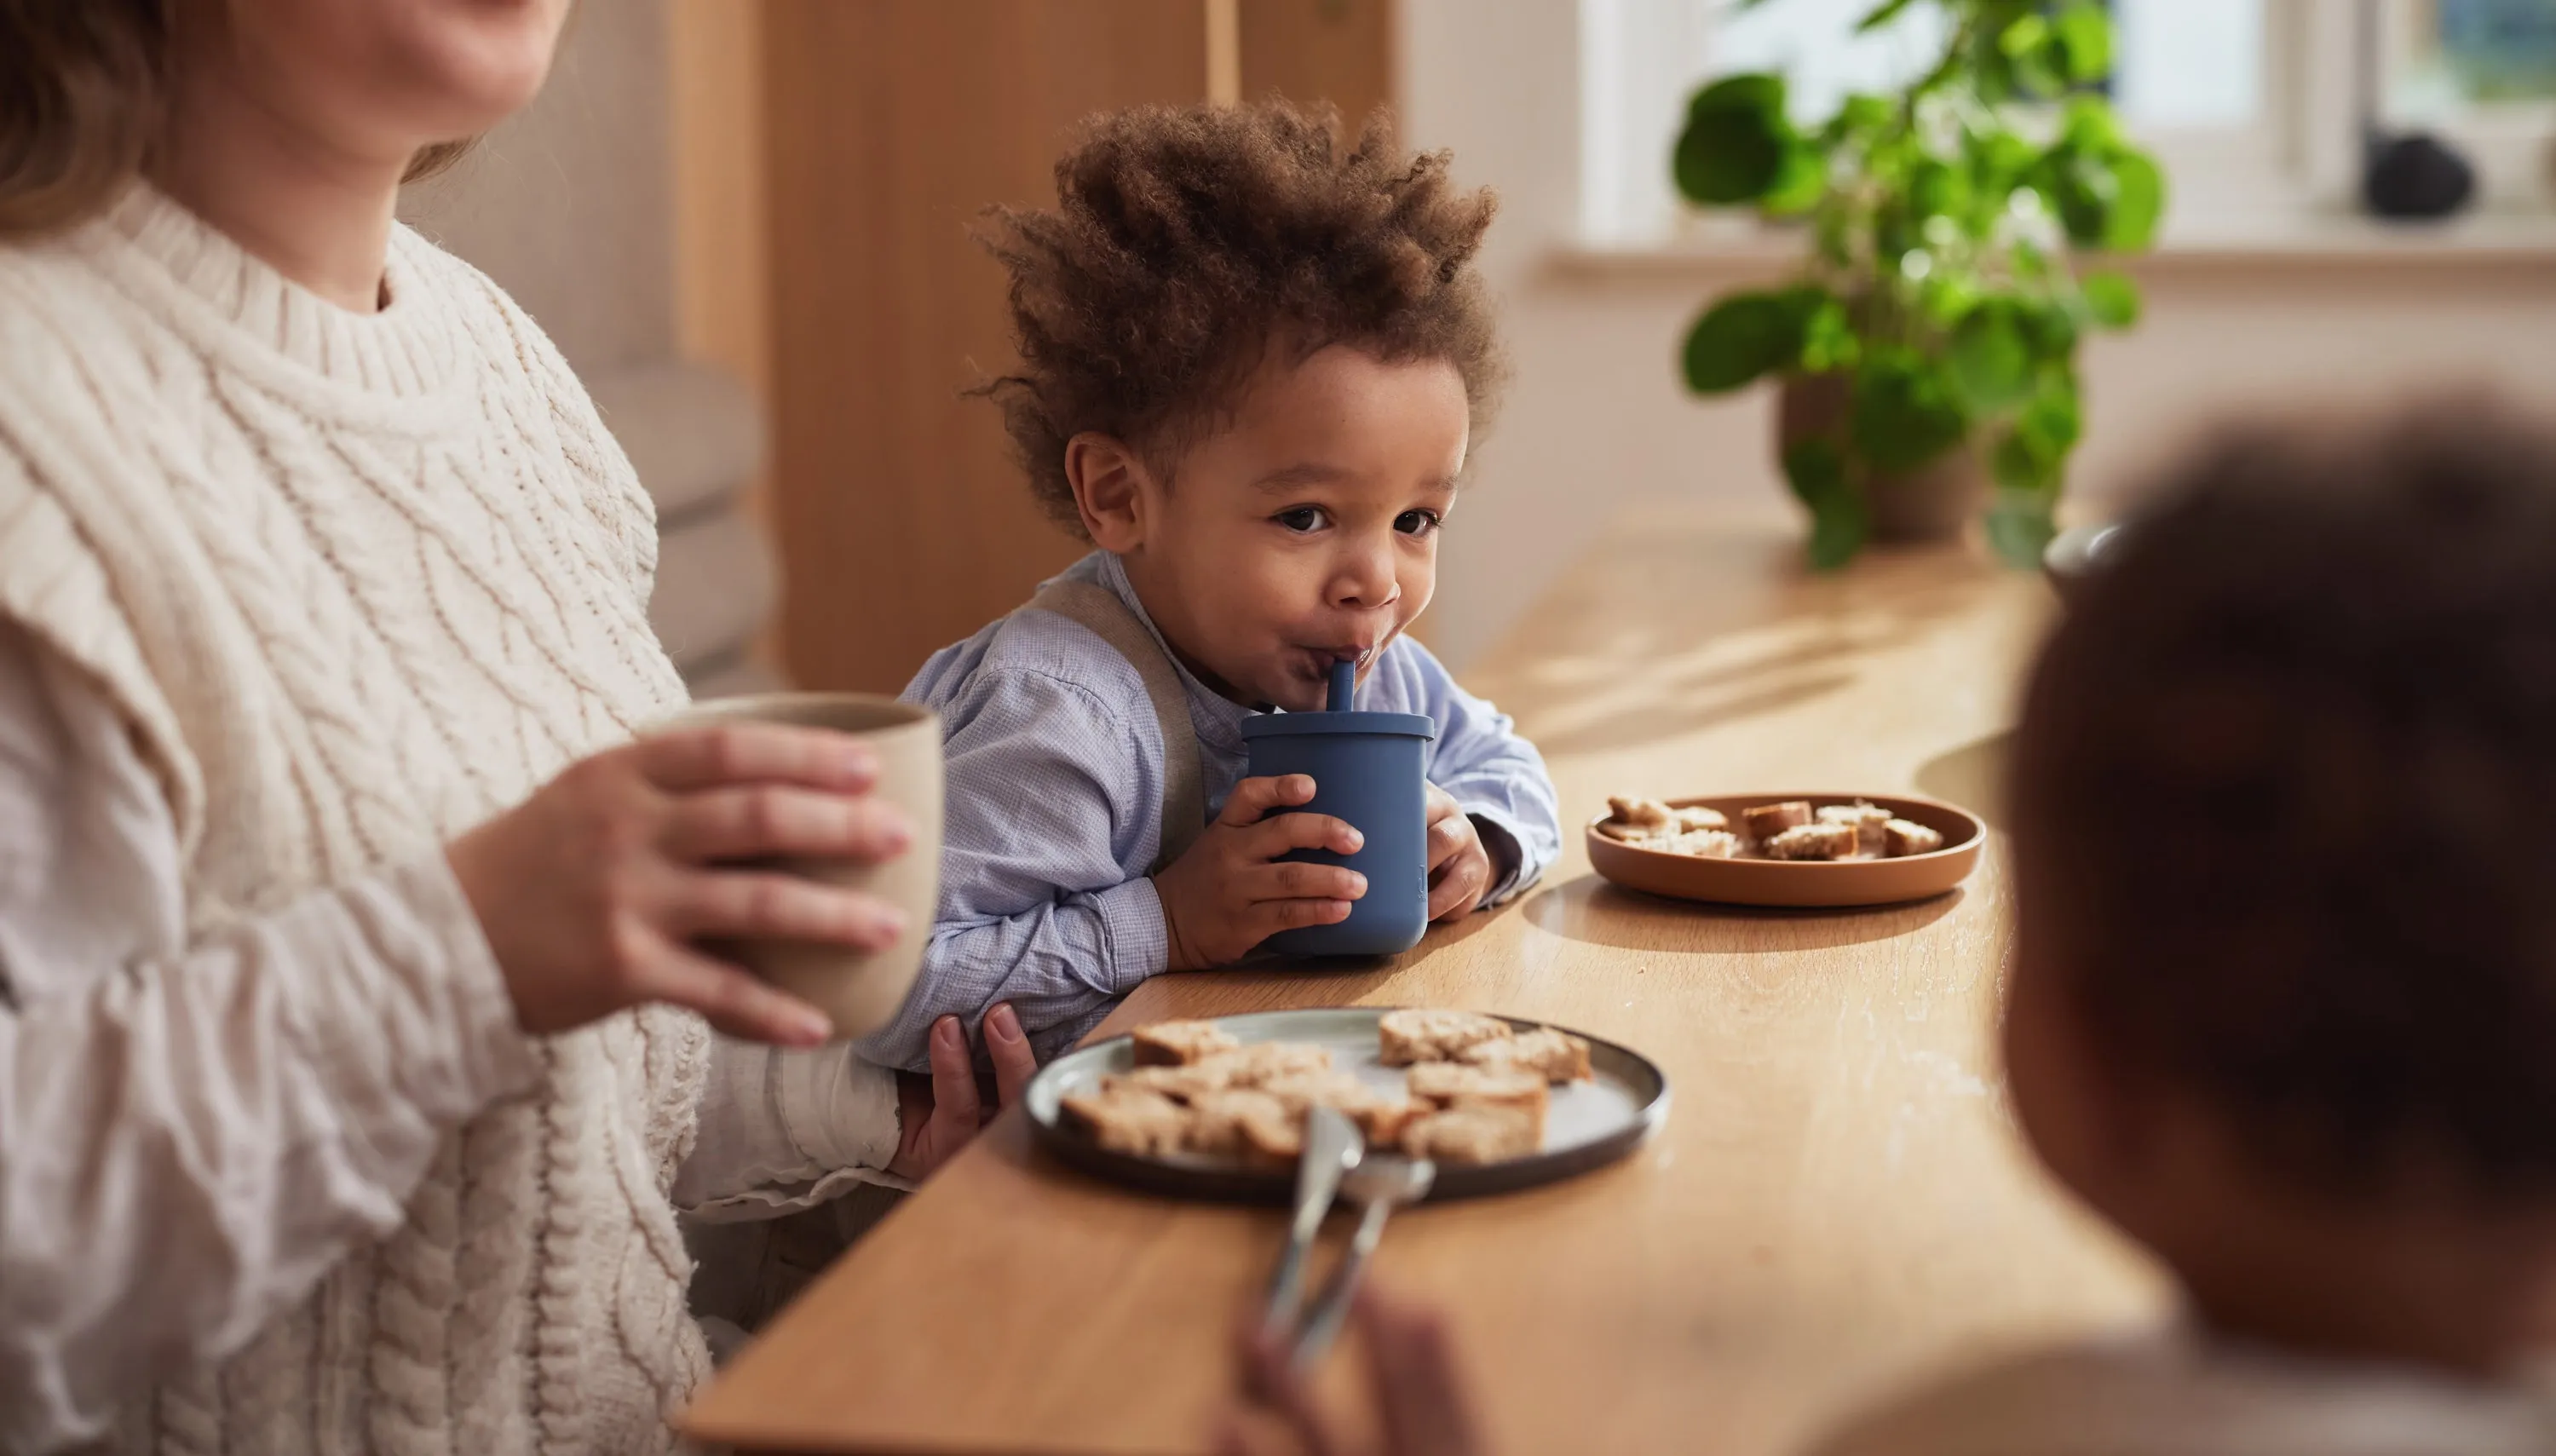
84	91
1189	242
2289	768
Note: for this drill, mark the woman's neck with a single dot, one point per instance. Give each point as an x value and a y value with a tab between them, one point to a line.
313	210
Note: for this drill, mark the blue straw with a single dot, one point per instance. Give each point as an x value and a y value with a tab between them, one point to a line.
1344	684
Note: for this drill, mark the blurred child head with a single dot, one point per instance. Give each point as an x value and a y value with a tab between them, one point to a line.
2284	1007
1251	364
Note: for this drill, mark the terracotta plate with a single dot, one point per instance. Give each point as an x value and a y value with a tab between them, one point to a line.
1799	883
1588	1124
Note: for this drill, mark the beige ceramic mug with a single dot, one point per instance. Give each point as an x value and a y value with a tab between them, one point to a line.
859	989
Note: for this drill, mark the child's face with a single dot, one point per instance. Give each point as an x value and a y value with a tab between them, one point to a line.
1304	529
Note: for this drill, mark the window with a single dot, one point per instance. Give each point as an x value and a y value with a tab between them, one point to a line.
2255	107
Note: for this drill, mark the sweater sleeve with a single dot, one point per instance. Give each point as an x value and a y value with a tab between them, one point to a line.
192	1134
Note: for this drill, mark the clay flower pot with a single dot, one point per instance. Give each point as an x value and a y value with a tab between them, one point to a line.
1927	504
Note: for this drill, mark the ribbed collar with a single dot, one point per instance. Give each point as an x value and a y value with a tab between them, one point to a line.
235	303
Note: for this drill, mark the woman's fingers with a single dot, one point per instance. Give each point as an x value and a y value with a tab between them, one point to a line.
1298	879
761	904
1008	1048
1254	797
730	999
1275	836
742	823
686	759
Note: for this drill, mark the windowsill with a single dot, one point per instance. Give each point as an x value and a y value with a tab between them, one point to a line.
1713	246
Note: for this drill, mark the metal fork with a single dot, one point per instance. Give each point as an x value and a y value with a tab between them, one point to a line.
1378	1185
1331	1148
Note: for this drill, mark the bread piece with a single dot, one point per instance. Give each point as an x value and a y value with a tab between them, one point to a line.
1427	1034
1179	1043
1245	1124
1180	1084
1447	1085
1811	842
1703	844
1907	836
1304	1090
1769	819
1129	1120
1637	818
1257	1063
1380	1120
1867	819
1694	817
1623	834
1475	1134
1554	1055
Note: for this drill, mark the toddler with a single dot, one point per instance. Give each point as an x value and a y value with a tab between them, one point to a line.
1252	363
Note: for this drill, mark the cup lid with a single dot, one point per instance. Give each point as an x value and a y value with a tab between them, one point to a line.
1284	725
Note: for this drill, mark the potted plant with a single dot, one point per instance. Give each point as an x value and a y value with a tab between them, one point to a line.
1928	349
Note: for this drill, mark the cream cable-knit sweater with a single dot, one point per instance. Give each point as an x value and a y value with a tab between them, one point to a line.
343	585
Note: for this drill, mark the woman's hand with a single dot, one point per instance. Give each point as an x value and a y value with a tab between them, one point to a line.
593	891
1422	1405
1459	868
940	1114
1227	893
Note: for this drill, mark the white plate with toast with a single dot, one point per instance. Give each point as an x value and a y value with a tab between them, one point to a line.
1215	1109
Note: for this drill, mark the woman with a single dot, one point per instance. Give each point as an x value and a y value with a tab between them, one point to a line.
335	1112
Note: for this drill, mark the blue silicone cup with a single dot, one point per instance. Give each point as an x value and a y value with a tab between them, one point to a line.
1368	768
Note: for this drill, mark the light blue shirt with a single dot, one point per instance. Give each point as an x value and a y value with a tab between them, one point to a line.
1054	814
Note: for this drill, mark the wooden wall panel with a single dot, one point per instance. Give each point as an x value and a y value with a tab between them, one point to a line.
902	522
1335	50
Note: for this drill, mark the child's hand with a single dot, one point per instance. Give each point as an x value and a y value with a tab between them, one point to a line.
940	1114
1226	896
1459	868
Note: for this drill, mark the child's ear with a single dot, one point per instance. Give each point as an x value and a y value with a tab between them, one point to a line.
1108	482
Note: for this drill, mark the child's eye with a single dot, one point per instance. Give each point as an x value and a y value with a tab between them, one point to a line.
1302	519
1415	522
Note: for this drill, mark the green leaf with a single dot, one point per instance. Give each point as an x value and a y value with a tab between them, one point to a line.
2020	527
2086	38
2112	299
1736	140
1815	470
1829	341
2053	422
1883	15
1800	182
1904	414
1856	116
1938	191
2050	330
1744	338
2137	202
1990	363
2019	465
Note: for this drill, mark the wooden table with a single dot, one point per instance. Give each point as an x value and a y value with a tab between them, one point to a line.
1838	1199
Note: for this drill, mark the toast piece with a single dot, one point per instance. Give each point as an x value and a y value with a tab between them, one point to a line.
1380	1120
1444	1085
1867	819
1811	842
1130	1119
1769	819
1695	818
1179	1043
1554	1055
1636	819
1180	1084
1428	1034
1703	844
1246	1124
1302	1091
1908	837
1261	1061
1474	1135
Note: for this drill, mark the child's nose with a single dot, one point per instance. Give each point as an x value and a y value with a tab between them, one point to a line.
1366	579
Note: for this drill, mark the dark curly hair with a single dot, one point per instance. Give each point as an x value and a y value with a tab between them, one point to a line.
1187	242
2290	769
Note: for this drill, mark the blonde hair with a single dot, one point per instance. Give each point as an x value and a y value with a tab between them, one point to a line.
84	88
